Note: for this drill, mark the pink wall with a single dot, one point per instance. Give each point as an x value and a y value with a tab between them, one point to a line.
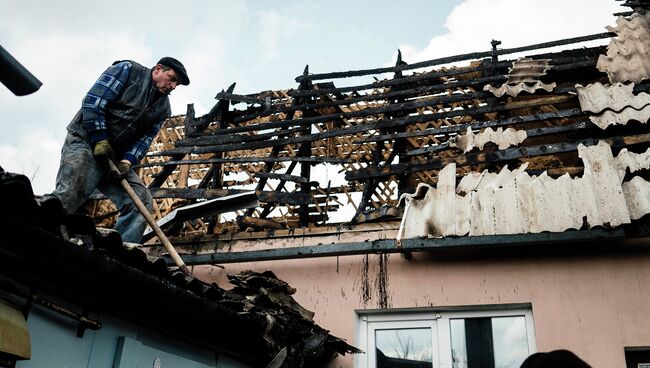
594	305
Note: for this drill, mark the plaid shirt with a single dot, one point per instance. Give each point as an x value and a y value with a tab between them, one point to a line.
109	85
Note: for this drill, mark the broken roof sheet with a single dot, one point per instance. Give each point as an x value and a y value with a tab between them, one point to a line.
523	76
628	55
513	202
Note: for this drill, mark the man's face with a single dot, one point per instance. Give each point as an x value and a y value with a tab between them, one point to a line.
164	80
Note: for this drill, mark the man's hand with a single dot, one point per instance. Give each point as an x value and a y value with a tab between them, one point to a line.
122	172
103	151
124	166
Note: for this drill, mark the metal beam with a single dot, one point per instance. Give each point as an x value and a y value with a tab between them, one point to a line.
384	246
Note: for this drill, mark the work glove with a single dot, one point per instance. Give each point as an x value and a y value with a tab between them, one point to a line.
103	151
122	172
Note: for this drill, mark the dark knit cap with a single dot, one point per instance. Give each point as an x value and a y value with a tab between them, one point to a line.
178	68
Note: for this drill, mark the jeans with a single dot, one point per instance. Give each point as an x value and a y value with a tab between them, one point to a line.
80	174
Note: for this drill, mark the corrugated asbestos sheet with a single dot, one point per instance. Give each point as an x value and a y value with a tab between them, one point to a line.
611	105
523	76
502	138
628	56
513	202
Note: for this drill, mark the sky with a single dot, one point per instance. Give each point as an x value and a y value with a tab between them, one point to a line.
260	45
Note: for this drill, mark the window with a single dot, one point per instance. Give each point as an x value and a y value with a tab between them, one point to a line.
445	339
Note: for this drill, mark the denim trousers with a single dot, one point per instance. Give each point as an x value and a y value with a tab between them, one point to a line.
80	174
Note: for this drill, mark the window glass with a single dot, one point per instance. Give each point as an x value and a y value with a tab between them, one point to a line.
510	341
458	349
409	347
499	342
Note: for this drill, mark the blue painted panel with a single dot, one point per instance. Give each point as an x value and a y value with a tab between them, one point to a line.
117	344
55	342
133	354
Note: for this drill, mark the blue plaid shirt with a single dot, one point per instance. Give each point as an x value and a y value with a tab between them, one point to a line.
109	85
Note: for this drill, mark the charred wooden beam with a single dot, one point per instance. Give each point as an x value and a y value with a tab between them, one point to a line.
455	58
411	105
414	79
235	98
245	222
305	151
371	185
316	160
322	208
285	177
379	124
412	89
220	138
275	152
536	132
477	125
415	91
160	178
420	79
192	126
295	198
219	110
487	157
269	206
192	193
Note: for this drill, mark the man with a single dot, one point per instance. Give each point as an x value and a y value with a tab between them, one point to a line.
118	119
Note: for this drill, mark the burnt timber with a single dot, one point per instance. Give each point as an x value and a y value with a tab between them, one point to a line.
380	138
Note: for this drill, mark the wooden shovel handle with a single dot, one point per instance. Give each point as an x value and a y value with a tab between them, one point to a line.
154	226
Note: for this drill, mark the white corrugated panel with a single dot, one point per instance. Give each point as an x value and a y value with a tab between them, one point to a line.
513	202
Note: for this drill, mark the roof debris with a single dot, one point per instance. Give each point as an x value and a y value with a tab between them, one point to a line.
523	76
628	55
513	202
503	139
94	268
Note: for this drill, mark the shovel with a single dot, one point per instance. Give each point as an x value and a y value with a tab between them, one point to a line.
150	220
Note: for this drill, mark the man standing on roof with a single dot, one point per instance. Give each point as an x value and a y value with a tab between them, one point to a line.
118	119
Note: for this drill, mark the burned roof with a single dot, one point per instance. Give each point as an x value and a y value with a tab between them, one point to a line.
318	153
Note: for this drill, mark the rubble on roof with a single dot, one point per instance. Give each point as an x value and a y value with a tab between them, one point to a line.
124	281
628	55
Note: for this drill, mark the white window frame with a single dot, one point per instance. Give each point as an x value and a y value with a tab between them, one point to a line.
438	321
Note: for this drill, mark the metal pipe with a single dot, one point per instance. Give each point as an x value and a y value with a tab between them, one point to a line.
15	76
86	322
